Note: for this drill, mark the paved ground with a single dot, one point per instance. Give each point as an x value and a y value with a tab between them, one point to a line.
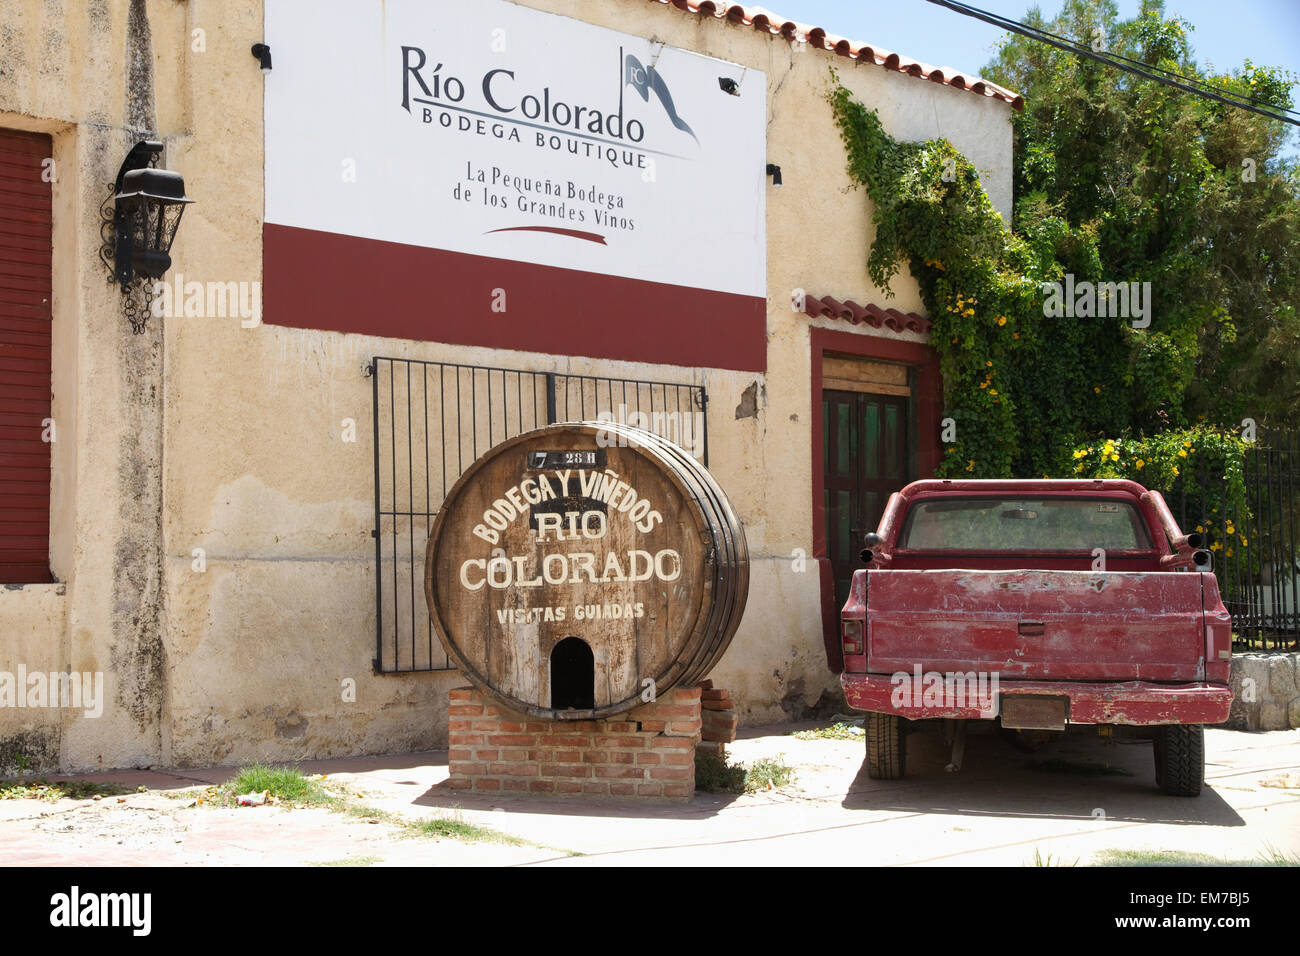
995	810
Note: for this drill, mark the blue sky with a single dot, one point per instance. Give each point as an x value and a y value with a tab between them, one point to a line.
1226	31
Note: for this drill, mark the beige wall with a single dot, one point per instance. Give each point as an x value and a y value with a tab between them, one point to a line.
205	434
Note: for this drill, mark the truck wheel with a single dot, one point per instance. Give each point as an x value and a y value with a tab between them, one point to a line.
1180	759
886	750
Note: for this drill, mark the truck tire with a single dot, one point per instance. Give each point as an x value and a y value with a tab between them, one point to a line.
886	750
1180	759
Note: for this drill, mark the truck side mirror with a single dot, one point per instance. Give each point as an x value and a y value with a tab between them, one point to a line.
873	540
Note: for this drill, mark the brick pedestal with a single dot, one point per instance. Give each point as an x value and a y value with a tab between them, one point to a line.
646	753
719	722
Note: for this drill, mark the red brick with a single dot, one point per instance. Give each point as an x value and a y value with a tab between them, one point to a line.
685	693
666	744
514	755
650	789
486	754
672	773
713	747
651	758
653	726
464	740
567	741
461	783
541	756
678	790
536	727
510	727
460	693
487	783
541	786
705	685
619	727
718	706
461	724
621	757
679	760
633	773
711	694
595	786
492	711
514	769
620	742
515	784
568	756
561	770
597	756
460	755
565	786
464	710
588	725
512	740
622	789
677	710
691	727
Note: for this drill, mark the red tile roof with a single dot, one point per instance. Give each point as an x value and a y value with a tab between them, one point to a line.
849	311
816	37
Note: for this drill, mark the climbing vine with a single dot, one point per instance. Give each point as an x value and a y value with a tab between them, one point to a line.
1031	394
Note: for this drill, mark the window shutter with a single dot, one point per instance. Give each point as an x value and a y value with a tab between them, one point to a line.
25	363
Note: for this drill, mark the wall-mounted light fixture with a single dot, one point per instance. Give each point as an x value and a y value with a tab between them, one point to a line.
139	230
774	171
728	85
263	54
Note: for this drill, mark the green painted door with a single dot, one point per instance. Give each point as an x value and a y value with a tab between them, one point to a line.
866	457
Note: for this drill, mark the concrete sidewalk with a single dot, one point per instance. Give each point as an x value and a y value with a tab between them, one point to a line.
998	810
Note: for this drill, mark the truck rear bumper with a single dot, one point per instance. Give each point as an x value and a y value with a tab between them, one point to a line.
1137	703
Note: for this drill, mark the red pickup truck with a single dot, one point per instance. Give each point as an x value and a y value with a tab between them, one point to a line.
1037	604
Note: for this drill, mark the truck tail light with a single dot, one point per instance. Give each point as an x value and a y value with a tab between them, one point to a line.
852	631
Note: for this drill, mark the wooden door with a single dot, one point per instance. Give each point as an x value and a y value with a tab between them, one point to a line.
866	457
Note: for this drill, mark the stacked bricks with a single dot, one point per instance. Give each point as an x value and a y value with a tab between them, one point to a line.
719	722
646	753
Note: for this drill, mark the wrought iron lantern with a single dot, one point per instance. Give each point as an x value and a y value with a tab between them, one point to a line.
139	230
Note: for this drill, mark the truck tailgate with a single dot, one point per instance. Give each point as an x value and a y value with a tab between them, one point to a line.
1063	625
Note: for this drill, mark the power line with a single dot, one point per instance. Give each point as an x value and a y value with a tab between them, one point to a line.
1122	62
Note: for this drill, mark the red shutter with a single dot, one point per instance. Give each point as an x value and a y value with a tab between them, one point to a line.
25	243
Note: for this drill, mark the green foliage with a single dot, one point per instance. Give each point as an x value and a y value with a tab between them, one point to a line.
284	783
836	731
714	775
768	773
51	791
1117	180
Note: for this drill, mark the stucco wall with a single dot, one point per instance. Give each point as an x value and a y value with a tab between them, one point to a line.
203	434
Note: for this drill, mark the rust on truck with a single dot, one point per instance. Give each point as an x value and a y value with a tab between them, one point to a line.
1076	601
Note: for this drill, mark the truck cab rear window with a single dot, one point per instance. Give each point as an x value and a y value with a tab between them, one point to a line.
1023	524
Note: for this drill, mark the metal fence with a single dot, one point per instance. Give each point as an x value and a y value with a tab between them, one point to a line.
432	420
1257	553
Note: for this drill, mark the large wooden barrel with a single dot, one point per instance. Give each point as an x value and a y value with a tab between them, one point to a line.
577	570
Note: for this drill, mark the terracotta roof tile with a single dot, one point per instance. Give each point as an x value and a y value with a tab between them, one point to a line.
771	23
873	315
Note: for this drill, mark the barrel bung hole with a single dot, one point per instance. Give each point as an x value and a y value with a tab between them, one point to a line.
573	675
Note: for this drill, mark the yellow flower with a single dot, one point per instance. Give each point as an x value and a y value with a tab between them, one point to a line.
1015	335
1200	528
970	465
1182	453
989	364
1228	553
984	384
1244	542
1140	463
1097	389
1002	320
1216	547
1175	470
1081	453
993	391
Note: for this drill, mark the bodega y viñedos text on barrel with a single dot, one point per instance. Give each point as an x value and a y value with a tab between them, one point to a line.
579	570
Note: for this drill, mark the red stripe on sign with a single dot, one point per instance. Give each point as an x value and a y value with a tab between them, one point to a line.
336	283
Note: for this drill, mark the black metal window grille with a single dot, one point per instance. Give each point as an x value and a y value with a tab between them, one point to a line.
432	420
1258	563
